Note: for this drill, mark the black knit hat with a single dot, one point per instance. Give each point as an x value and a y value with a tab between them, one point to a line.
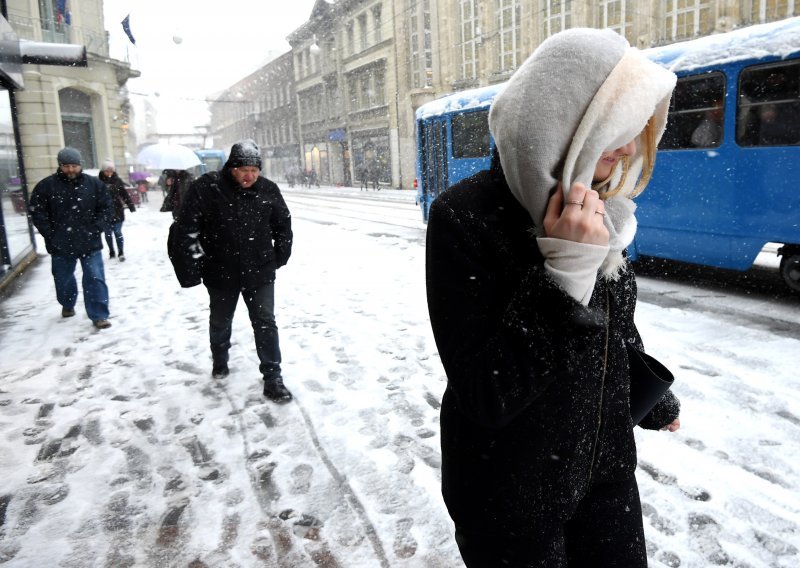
244	153
69	156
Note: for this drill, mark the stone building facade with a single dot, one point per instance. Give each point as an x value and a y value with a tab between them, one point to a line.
58	87
363	67
262	107
88	107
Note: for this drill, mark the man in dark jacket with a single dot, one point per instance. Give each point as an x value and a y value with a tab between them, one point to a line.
233	232
121	199
71	210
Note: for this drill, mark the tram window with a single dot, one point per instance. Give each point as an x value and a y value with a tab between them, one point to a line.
471	135
769	105
696	113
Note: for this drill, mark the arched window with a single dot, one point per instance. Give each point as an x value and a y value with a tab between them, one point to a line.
76	121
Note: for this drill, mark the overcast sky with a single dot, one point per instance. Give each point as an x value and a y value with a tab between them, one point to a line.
187	50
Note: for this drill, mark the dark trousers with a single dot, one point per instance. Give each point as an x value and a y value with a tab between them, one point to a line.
606	531
260	304
115	231
95	291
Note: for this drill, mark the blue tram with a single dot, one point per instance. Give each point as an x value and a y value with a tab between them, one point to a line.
727	168
212	160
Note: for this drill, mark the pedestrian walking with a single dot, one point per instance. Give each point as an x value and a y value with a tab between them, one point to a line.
531	302
71	210
177	182
121	199
233	233
142	188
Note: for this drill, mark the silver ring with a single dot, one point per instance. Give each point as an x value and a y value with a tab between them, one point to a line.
575	203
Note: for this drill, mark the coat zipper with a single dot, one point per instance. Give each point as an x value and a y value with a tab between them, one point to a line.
602	388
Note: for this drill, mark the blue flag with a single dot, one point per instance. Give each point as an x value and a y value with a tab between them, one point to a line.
126	25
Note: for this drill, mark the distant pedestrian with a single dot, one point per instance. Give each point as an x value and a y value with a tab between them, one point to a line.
361	173
142	188
177	183
374	175
71	210
233	232
121	199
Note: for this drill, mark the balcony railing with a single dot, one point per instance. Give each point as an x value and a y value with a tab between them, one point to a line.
36	29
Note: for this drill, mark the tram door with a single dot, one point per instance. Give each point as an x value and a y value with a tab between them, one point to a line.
436	179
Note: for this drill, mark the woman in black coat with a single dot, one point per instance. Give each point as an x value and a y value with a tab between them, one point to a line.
532	302
121	199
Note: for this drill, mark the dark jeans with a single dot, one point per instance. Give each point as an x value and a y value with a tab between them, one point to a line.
260	304
606	531
95	291
116	229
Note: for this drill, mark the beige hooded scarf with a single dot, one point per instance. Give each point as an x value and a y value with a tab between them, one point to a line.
581	93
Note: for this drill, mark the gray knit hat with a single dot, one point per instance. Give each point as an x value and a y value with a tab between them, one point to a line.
68	156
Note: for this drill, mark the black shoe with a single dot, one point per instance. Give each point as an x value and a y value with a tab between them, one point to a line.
220	371
102	324
121	257
275	390
112	254
67	312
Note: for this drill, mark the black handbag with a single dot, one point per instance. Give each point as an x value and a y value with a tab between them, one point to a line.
649	381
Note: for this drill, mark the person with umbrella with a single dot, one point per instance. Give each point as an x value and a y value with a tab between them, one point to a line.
175	160
232	233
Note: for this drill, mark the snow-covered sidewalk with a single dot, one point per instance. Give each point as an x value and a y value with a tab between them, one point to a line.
118	449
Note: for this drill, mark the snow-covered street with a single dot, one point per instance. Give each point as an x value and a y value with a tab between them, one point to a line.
118	449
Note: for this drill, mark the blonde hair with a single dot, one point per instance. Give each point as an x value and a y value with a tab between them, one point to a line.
647	140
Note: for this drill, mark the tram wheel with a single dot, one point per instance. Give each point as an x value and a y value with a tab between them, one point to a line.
790	270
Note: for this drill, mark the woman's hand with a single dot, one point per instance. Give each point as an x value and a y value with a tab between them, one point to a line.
580	219
673	426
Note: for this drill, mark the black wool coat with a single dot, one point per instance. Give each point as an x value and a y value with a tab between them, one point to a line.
119	195
71	215
230	237
536	408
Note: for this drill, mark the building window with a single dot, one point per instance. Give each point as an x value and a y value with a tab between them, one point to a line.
687	18
55	19
508	27
771	10
557	16
76	121
366	89
362	31
618	16
376	19
14	227
421	56
351	41
469	38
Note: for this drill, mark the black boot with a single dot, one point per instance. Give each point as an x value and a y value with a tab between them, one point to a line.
219	369
276	391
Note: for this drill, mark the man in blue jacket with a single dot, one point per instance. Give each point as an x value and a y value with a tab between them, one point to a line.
233	232
71	210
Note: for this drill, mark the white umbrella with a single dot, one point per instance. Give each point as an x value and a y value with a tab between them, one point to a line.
167	157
